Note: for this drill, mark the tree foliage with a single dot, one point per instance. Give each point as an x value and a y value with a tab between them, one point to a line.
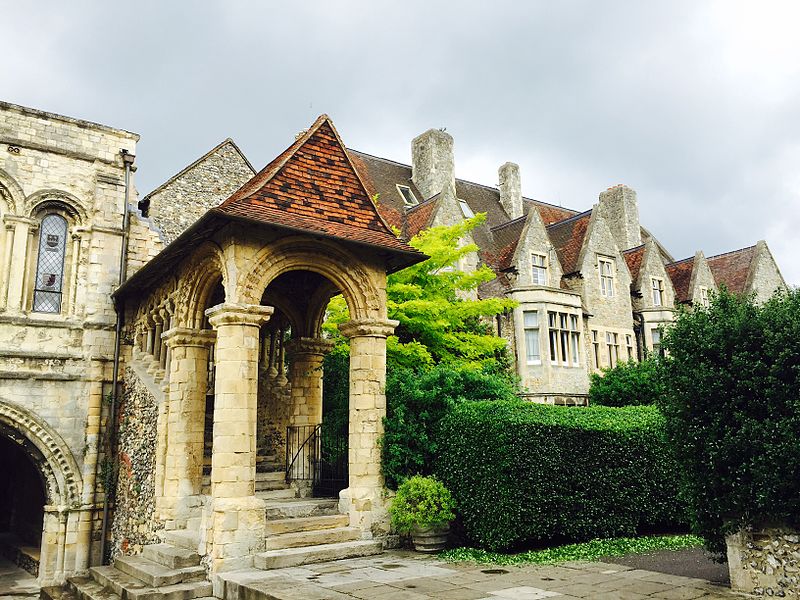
628	384
732	403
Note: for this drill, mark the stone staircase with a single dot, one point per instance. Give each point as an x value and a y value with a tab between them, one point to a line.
161	572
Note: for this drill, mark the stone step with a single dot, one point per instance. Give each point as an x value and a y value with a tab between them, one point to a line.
279	494
86	588
281	526
130	588
170	556
316	537
271	484
156	575
271	476
301	507
294	557
183	538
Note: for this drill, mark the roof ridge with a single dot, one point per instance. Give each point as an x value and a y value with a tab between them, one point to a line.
196	162
411	209
634	248
572	218
677	262
731	252
507	223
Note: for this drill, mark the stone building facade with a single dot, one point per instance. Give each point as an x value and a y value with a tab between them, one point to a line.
228	275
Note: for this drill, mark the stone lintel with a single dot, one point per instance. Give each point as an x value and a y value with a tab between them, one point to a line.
20	219
238	314
368	328
304	345
185	336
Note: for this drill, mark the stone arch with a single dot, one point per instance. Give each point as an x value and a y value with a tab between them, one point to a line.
325	258
57	465
58	199
12	192
199	282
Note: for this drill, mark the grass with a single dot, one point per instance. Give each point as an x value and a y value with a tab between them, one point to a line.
593	550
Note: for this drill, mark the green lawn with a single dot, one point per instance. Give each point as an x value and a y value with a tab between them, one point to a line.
592	550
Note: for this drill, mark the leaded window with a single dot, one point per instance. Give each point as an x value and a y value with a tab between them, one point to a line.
48	289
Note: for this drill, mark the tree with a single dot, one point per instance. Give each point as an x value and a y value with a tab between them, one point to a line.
440	323
732	404
630	383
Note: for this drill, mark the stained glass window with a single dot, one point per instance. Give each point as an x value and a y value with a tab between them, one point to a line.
50	270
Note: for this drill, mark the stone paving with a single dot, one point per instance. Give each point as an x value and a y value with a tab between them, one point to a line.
401	575
16	583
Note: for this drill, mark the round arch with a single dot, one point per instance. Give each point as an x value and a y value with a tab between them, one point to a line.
57	465
199	282
15	196
59	200
331	261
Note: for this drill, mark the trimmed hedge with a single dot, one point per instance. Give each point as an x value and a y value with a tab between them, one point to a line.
630	383
523	472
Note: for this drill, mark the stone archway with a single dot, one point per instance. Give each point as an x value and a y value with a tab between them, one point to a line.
55	505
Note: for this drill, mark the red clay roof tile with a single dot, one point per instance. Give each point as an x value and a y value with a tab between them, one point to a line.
680	273
732	268
634	258
567	237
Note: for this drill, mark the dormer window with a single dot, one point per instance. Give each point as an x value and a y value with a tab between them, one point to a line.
539	269
407	195
658	291
465	209
606	269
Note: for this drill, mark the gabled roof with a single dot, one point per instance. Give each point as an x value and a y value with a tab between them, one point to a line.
634	258
732	269
313	186
567	237
680	272
144	202
421	216
506	239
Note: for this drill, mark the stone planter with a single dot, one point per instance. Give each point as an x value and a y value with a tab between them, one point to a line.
765	561
430	539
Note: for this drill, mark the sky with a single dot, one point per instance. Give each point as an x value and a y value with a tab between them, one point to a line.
695	104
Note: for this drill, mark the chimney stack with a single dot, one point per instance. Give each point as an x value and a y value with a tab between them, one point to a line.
620	209
432	162
510	189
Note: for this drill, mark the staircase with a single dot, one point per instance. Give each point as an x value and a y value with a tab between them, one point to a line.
161	572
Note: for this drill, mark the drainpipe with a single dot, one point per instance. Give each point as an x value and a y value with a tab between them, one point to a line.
127	160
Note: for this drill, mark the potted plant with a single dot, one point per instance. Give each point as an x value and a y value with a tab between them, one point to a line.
423	507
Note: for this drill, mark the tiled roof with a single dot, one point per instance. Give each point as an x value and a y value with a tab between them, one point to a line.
550	214
680	273
420	216
506	239
312	186
732	268
634	258
567	236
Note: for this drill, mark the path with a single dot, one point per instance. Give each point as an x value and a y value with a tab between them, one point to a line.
16	583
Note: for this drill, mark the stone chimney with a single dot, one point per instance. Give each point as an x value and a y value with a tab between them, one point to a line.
620	210
432	163
510	189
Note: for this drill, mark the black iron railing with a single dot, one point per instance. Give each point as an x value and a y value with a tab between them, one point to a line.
318	454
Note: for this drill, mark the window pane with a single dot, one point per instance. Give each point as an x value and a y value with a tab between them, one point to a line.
532	344
531	318
575	340
554	346
50	268
573	321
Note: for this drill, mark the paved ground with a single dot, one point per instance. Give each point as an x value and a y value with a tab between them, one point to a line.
692	562
400	575
16	583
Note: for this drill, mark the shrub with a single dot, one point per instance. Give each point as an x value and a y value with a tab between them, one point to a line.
733	411
628	384
416	403
523	472
421	502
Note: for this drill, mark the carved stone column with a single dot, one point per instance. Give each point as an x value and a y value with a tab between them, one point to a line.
305	373
363	499
235	518
186	395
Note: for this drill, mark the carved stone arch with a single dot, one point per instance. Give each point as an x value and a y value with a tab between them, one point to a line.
12	192
58	199
327	259
57	465
290	311
198	283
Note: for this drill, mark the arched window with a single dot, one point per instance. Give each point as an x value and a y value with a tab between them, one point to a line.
47	294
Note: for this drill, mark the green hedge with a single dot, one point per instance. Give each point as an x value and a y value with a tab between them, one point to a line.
522	472
630	383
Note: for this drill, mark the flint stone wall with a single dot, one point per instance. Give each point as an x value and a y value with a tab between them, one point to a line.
135	522
765	563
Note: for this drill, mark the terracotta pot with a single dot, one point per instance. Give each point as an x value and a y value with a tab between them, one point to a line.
430	539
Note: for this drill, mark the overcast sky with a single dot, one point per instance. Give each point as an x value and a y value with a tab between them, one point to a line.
694	104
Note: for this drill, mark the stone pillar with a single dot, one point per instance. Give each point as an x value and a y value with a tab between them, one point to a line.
305	374
19	263
364	498
183	471
235	518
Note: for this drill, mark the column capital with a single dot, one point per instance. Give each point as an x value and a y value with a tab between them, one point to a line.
305	345
368	328
185	336
238	314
